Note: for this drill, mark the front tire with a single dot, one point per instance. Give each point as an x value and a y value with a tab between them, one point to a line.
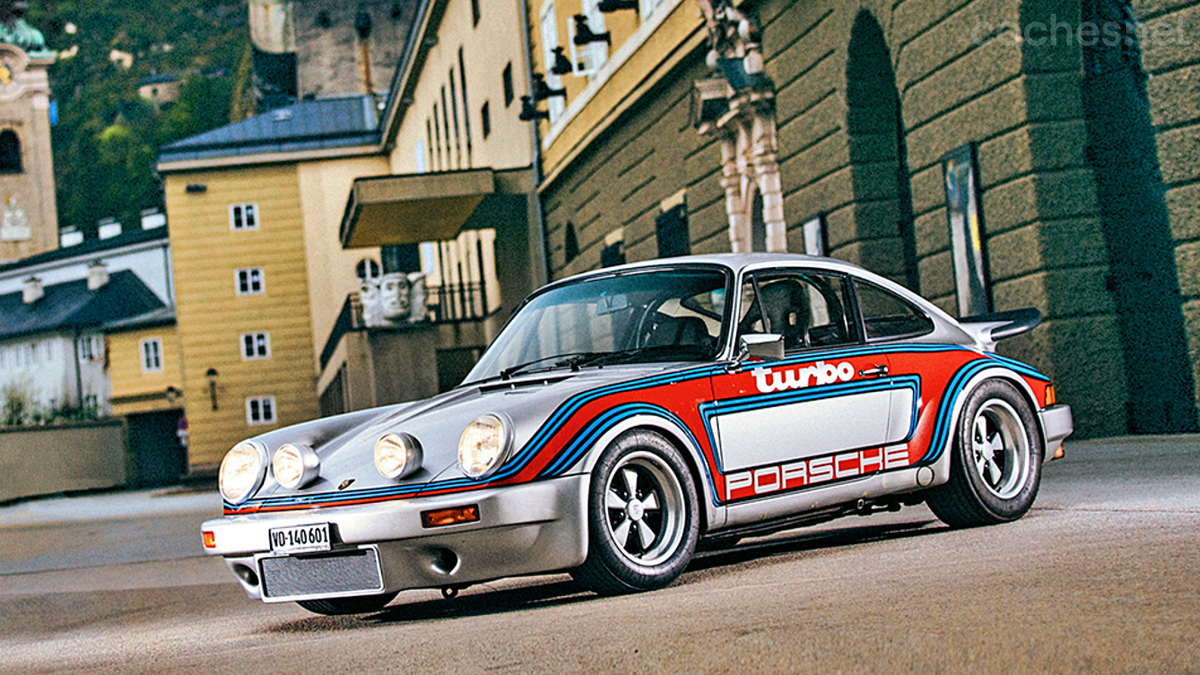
362	604
643	516
996	465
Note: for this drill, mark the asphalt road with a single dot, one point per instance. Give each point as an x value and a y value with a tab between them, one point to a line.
1103	576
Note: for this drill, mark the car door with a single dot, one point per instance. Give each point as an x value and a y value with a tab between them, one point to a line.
825	412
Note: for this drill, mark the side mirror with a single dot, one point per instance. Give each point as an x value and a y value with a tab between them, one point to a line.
762	345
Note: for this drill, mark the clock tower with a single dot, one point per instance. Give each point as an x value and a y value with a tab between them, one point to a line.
28	217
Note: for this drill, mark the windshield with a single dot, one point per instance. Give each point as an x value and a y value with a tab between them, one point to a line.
643	316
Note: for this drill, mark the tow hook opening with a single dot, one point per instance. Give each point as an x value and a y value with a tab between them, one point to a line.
445	561
451	592
247	575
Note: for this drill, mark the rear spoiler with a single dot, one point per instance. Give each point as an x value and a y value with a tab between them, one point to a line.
988	329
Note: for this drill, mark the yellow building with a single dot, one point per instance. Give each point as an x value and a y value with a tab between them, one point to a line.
258	271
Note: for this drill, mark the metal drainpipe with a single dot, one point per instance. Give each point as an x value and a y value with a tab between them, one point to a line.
78	374
537	147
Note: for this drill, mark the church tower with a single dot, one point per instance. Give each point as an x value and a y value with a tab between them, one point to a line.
28	217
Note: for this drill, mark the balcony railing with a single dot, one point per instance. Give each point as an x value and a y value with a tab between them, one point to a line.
449	303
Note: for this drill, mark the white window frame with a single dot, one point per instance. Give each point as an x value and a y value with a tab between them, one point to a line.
253	354
556	104
269	407
238	213
586	61
250	273
151	352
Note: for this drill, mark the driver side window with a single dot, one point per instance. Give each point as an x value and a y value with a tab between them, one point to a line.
808	309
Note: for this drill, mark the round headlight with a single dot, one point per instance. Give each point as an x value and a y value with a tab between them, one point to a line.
242	471
483	446
397	455
295	465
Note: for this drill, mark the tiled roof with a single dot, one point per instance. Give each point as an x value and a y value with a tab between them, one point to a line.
72	305
307	125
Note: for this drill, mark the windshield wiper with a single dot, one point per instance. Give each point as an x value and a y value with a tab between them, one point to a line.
572	359
678	352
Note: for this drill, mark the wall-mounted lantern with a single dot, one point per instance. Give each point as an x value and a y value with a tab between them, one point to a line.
211	374
584	34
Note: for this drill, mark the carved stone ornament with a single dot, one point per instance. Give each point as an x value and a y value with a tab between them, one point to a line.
737	105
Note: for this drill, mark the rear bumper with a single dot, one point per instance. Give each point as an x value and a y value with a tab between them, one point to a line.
523	529
1057	424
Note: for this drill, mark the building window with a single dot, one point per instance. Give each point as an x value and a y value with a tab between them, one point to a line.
368	270
485	116
91	348
814	235
968	239
671	228
570	243
151	349
243	217
260	410
10	152
250	281
474	13
549	26
589	58
256	346
466	107
509	94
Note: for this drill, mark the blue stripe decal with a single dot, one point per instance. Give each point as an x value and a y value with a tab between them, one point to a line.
583	441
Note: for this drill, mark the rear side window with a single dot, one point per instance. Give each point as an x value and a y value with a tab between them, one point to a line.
887	316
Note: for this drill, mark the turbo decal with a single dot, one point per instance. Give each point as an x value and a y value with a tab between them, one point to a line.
809	472
820	373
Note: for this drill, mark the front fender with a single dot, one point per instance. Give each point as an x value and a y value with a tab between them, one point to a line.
712	513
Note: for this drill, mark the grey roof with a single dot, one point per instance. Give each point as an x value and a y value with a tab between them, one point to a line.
128	238
163	316
317	124
71	305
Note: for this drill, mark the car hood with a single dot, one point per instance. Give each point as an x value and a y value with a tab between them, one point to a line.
346	443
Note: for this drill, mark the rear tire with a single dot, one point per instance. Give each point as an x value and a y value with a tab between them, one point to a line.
363	604
643	516
996	460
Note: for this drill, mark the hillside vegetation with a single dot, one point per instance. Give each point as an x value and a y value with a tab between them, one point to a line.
106	137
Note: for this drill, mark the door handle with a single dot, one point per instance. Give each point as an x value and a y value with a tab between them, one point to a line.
877	371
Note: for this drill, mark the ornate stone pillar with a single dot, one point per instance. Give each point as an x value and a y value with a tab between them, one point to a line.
737	105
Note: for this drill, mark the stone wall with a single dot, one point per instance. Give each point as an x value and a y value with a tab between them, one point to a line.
49	460
954	79
1173	62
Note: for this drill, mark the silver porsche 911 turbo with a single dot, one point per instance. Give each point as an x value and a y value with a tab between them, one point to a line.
625	416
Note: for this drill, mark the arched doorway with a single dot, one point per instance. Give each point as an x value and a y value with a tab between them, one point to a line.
1129	188
878	157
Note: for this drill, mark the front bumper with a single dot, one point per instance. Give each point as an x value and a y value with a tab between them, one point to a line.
523	529
1057	424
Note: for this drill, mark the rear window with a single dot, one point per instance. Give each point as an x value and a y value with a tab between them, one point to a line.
887	316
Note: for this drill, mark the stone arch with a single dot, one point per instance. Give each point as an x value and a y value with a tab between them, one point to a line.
1143	280
878	157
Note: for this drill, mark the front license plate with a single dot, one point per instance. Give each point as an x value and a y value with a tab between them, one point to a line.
300	539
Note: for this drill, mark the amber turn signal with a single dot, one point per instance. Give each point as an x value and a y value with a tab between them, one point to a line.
454	516
210	540
1050	398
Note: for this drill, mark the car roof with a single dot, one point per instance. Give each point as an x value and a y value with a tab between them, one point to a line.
739	262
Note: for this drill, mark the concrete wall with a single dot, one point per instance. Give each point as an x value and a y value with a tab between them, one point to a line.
49	460
1048	242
